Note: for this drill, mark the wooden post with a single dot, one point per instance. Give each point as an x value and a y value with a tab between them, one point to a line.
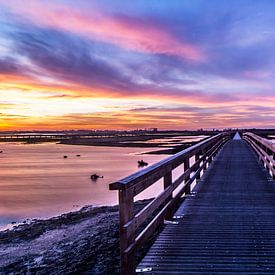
273	175
133	185
210	159
197	157
186	164
204	160
167	181
126	213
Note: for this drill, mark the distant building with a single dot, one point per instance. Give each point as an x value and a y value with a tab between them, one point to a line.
153	129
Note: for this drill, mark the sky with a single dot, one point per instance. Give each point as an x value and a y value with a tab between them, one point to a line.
121	64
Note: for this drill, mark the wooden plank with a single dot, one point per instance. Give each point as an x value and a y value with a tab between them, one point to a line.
186	164
163	167
148	210
134	184
148	231
126	213
267	160
167	181
186	187
198	160
265	142
215	236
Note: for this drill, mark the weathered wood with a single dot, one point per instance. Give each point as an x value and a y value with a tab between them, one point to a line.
261	141
163	167
167	181
198	161
126	213
228	224
148	210
164	203
204	153
149	230
265	150
210	153
186	164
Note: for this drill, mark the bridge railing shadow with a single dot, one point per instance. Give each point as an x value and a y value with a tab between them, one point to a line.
265	150
131	235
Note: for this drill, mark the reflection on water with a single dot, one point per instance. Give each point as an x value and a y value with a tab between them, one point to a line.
171	141
37	181
177	139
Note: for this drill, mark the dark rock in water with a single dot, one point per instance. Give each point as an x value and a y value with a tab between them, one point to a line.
1	152
13	222
78	155
95	177
65	157
142	163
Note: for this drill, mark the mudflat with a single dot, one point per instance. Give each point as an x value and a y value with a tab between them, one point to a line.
82	242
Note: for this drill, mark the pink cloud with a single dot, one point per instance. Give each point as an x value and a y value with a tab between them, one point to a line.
124	32
257	74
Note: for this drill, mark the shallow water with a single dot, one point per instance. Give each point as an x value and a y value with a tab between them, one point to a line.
37	182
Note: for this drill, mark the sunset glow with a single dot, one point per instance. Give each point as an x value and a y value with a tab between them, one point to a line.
136	64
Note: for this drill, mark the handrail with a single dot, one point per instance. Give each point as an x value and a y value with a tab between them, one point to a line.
164	204
265	149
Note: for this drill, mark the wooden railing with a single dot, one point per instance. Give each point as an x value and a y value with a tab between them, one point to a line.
164	204
265	150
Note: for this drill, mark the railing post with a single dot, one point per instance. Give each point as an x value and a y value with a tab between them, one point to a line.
126	213
130	240
204	160
210	159
167	181
197	157
186	164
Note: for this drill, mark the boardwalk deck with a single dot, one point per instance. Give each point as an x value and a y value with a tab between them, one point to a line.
228	225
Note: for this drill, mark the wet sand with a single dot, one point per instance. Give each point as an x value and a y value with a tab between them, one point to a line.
81	242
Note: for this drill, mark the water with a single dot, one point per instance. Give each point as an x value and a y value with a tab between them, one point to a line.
172	141
37	182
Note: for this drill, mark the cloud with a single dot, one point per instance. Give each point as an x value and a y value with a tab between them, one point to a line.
127	32
8	66
188	68
66	59
73	61
5	105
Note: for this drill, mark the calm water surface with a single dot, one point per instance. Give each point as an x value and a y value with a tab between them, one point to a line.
37	182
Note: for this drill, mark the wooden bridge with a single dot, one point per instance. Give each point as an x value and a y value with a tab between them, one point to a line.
225	224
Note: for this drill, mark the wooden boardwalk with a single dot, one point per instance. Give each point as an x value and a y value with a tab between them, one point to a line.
227	226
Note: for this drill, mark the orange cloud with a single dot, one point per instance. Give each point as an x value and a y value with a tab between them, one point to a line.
181	117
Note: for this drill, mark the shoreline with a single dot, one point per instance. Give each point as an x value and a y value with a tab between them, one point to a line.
173	149
84	242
